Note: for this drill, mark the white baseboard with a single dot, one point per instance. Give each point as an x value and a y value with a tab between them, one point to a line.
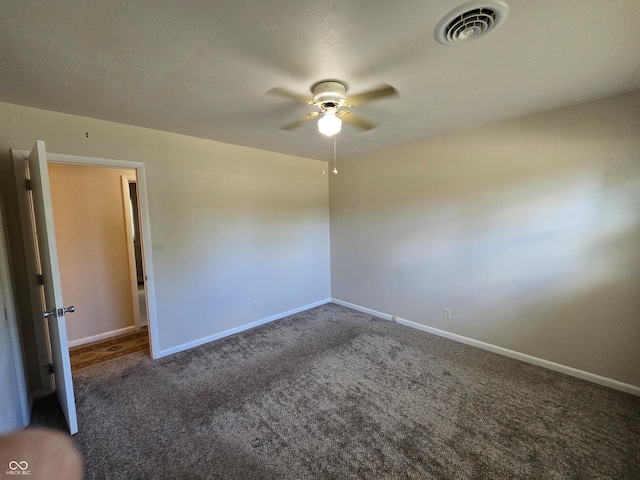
101	336
242	328
574	372
353	306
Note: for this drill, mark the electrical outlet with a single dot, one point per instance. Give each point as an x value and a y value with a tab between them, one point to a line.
447	313
255	304
157	247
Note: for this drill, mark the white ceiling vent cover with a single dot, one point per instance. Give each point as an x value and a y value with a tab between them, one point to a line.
471	21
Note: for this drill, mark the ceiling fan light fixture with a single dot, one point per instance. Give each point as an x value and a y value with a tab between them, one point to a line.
329	124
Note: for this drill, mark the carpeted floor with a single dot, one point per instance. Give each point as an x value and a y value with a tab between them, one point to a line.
331	393
95	353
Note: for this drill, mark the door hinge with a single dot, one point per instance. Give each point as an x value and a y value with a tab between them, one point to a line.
49	367
27	184
40	278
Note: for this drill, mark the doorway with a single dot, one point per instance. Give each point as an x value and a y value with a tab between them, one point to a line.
92	230
41	259
100	259
135	172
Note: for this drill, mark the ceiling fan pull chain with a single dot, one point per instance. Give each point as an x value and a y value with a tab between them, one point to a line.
322	153
335	167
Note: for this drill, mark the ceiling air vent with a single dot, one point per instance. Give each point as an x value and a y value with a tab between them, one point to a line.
471	21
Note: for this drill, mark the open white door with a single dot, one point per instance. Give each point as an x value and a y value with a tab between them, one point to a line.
53	310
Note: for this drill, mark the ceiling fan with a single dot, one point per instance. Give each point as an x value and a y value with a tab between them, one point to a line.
330	96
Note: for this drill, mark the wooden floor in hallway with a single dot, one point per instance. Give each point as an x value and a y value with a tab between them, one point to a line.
96	353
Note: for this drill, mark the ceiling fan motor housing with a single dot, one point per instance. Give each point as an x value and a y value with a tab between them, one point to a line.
329	94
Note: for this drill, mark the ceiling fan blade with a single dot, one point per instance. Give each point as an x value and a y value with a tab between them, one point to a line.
358	122
299	122
284	93
380	92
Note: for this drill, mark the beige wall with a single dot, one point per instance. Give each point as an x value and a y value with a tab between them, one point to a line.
239	224
92	251
529	230
13	394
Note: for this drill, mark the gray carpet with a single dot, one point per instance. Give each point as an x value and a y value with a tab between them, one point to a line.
331	393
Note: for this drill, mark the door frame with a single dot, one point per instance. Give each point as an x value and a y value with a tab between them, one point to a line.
19	156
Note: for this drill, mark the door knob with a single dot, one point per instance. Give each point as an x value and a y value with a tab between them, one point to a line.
59	312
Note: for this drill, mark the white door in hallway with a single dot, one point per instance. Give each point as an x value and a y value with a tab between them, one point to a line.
53	308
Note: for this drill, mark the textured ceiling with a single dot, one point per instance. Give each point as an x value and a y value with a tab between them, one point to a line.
203	67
